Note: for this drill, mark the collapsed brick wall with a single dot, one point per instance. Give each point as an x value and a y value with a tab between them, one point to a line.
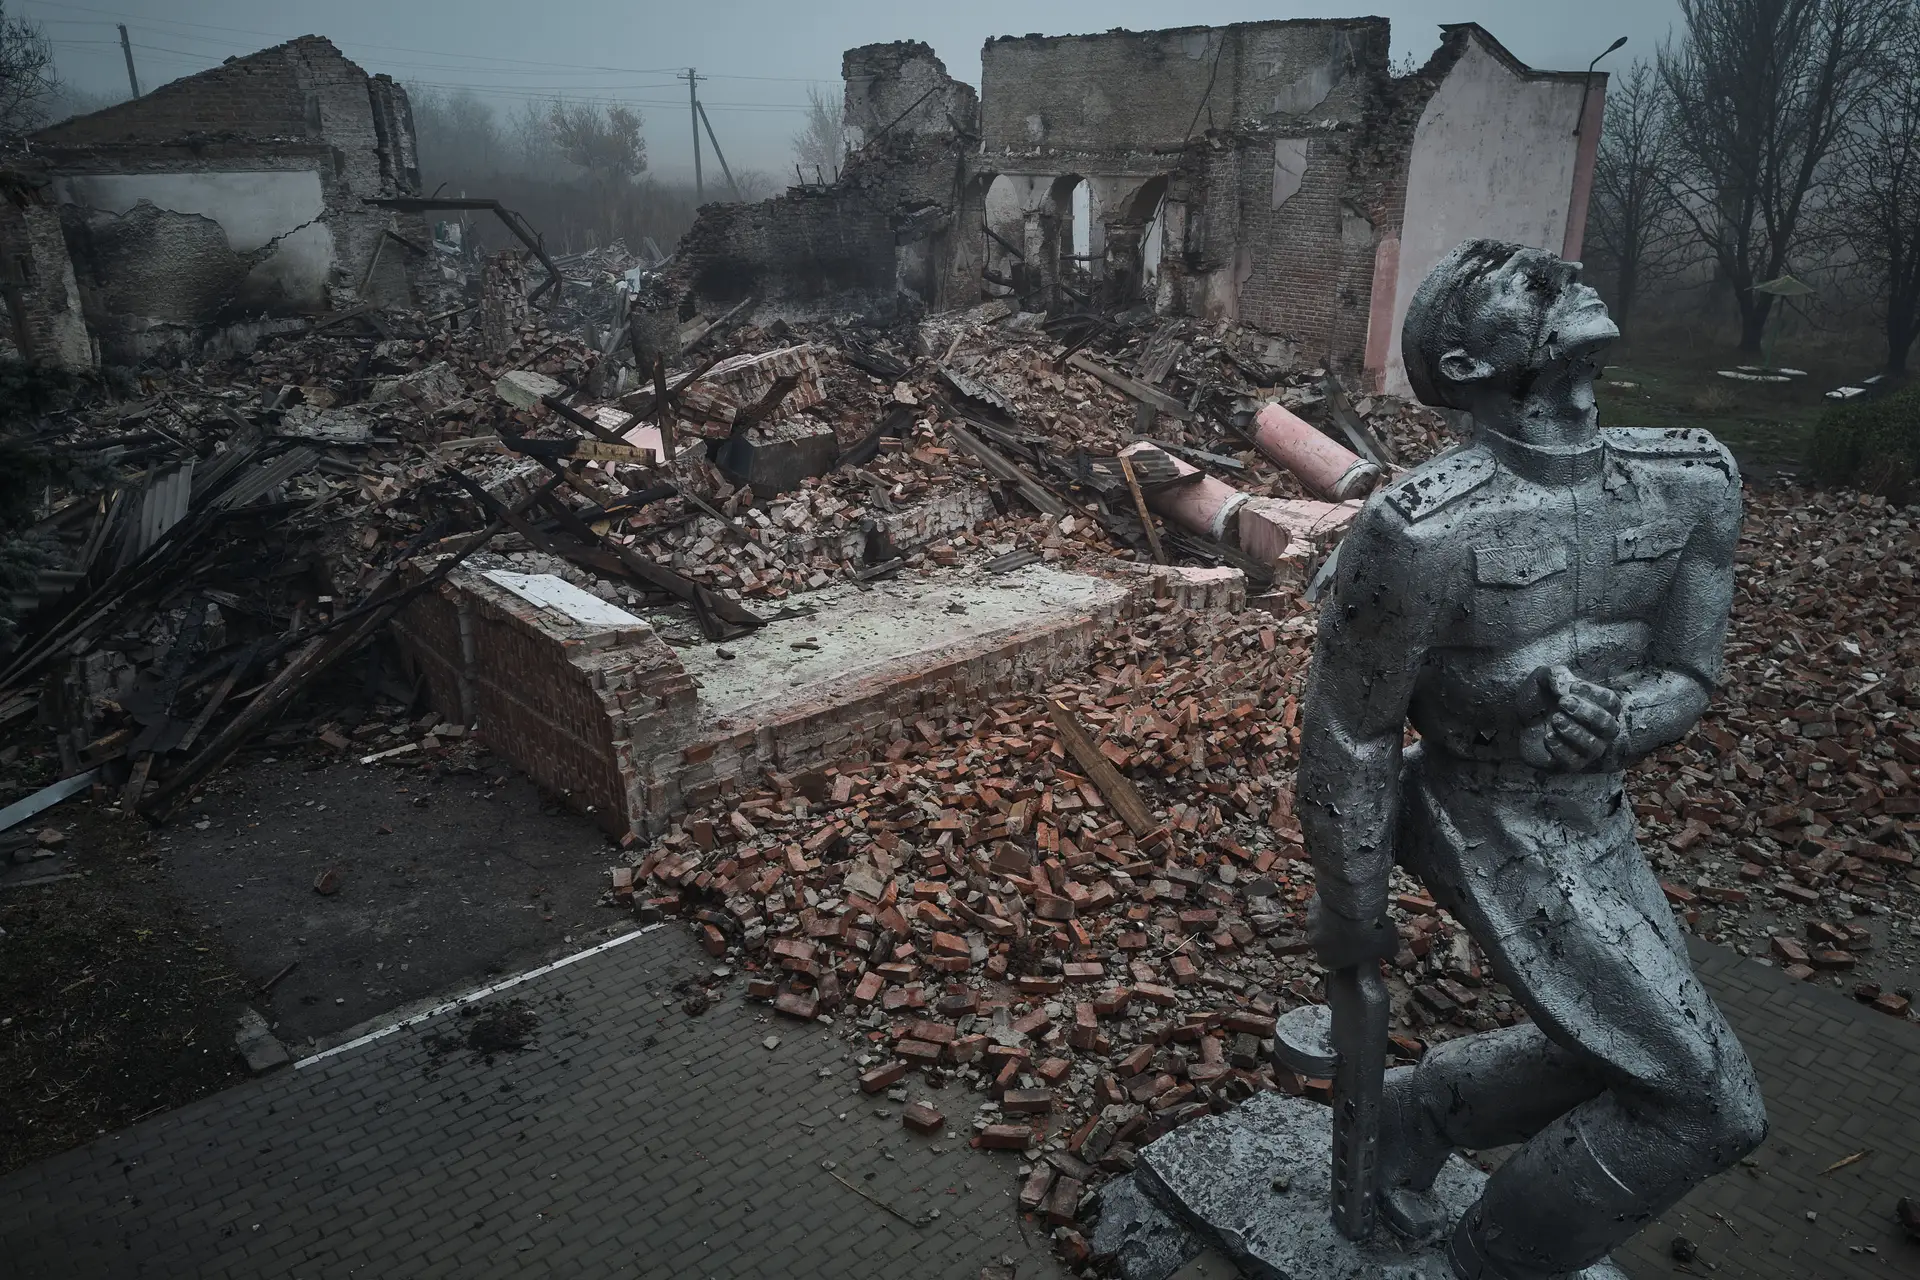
864	720
877	241
1155	91
42	298
564	703
236	194
903	87
836	248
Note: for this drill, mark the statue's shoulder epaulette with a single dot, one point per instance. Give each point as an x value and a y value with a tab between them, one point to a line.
1685	445
1441	481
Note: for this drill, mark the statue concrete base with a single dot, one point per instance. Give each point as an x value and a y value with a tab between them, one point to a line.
1253	1184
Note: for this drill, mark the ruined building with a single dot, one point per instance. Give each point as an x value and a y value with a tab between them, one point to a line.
220	202
1276	173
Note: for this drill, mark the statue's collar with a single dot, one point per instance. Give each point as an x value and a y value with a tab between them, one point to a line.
1546	463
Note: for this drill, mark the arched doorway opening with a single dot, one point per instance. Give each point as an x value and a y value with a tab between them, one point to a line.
1071	217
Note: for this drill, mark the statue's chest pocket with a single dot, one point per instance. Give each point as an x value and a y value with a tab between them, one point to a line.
1520	590
1644	558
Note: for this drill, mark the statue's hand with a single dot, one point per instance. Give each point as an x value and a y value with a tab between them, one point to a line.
1343	943
1579	722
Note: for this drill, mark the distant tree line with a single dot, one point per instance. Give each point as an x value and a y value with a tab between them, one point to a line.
1771	139
577	171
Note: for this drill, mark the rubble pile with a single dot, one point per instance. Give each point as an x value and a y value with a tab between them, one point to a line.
249	517
1092	935
1785	824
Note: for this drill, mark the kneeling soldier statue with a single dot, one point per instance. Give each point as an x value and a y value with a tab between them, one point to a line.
1543	605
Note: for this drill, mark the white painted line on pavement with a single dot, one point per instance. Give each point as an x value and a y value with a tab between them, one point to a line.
471	996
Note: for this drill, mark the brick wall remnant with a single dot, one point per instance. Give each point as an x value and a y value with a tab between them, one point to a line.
237	194
503	299
872	243
904	87
41	298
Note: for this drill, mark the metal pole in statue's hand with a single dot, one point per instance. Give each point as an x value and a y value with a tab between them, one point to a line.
1345	1040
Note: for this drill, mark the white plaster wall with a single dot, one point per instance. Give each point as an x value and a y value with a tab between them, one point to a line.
253	210
1493	156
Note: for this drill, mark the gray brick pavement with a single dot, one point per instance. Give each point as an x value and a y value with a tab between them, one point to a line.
1838	1078
632	1141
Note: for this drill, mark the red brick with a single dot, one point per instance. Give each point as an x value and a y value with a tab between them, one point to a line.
1063	1201
1033	1192
933	1032
918	1051
1027	1102
881	1078
921	1118
1005	1137
1788	950
796	1004
1033	1024
869	988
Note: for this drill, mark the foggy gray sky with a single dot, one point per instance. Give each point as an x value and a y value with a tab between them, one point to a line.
760	54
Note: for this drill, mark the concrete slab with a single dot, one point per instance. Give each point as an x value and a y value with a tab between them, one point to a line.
806	693
893	631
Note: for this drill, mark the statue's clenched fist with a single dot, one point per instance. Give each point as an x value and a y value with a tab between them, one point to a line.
1579	722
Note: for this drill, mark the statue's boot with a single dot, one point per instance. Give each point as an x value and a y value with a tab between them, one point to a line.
1478	1091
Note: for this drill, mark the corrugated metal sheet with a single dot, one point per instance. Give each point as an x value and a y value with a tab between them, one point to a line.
162	504
265	476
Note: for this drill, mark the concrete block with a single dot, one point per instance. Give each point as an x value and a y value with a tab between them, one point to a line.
778	456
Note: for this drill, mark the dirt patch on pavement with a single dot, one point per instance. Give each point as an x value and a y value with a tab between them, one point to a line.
442	874
117	1002
122	981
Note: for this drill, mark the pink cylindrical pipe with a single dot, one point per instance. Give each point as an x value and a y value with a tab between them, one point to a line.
1204	506
1329	469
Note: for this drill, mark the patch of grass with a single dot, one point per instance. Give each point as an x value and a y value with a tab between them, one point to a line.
1767	425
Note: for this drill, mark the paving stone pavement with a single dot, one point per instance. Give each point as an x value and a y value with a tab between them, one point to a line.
1838	1078
635	1140
631	1140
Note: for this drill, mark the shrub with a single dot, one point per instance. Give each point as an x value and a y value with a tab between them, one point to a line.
1873	446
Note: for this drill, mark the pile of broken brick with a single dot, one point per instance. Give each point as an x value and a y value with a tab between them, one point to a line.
239	525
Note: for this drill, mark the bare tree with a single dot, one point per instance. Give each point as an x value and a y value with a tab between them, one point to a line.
68	101
536	154
607	145
457	133
1762	92
1639	232
754	184
27	85
822	144
1878	179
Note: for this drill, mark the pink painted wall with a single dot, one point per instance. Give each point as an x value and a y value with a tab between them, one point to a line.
1590	125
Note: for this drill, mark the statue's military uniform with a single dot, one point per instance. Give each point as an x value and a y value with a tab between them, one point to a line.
1457	583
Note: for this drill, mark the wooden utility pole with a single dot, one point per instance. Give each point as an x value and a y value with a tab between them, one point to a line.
126	47
693	111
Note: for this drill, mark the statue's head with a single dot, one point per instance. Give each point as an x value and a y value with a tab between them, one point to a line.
1494	316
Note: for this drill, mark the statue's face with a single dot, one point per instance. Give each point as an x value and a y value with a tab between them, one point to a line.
1538	312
